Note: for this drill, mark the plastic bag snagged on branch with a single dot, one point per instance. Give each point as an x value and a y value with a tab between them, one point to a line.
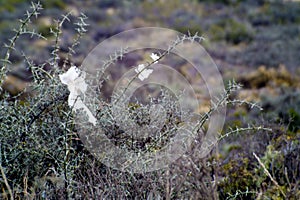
74	79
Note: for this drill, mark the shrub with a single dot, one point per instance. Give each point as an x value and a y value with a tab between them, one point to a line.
43	157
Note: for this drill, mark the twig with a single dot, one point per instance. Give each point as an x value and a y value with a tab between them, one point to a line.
33	117
168	184
269	175
179	40
22	30
6	183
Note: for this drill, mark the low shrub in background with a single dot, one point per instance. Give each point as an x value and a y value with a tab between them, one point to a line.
42	156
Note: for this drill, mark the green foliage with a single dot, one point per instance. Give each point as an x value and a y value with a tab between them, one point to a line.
194	29
228	2
46	30
294	125
231	31
285	108
9	5
54	4
237	177
242	177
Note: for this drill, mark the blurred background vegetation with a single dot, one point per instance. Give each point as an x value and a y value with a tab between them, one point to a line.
256	42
